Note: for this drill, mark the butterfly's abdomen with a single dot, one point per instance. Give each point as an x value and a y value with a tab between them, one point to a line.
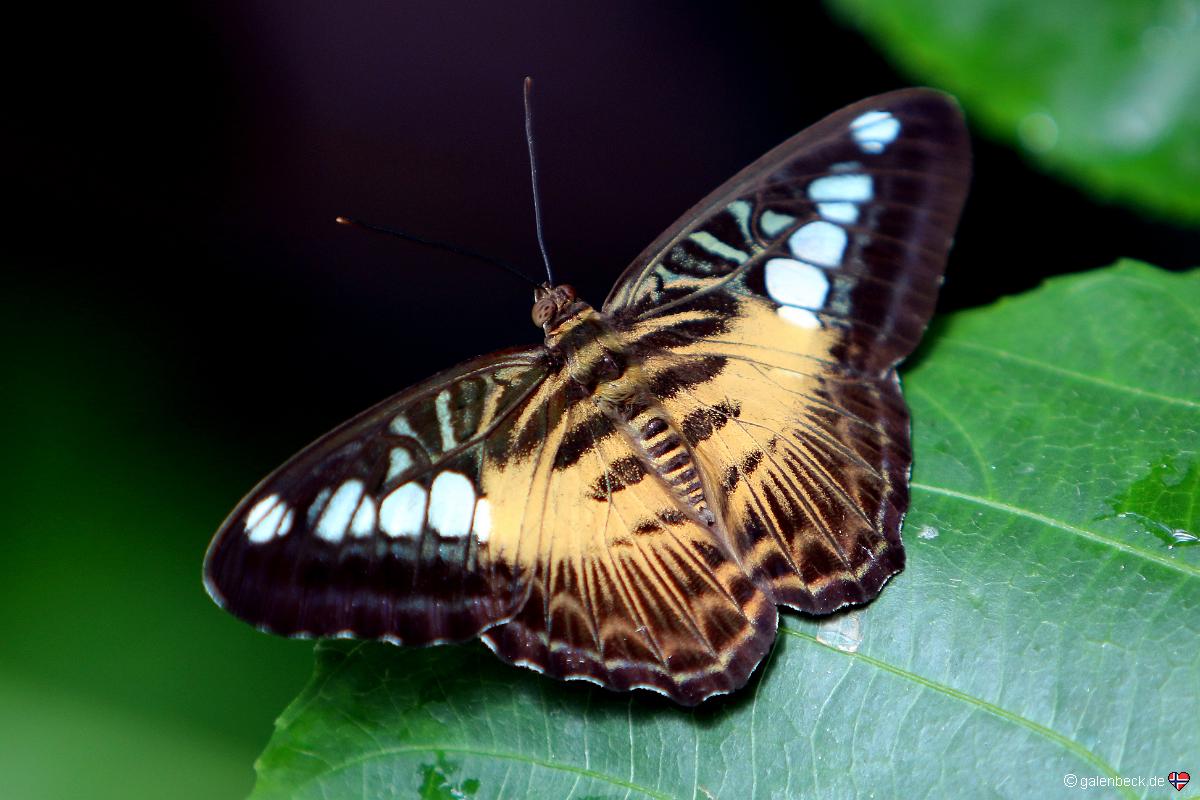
670	457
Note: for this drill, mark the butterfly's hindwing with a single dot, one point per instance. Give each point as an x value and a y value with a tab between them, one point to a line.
630	586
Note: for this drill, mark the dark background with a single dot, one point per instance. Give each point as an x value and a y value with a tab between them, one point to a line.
182	313
178	171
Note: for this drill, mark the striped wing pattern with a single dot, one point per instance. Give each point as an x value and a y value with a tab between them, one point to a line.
628	504
629	585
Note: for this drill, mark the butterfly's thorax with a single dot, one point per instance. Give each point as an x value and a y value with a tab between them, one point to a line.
605	370
596	361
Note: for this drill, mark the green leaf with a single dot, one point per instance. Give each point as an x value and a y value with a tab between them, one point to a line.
1105	92
1042	626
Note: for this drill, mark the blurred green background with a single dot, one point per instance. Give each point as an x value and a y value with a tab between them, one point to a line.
180	314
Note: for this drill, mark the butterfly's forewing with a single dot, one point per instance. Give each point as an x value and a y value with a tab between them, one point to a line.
382	528
808	277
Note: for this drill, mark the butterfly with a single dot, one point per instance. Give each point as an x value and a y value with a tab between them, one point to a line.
630	502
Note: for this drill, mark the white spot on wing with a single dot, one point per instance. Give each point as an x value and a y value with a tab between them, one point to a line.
398	461
264	520
875	130
363	523
269	525
260	510
401	427
845	213
800	317
318	505
482	527
819	242
286	525
445	419
794	283
837	195
854	188
451	504
402	513
336	517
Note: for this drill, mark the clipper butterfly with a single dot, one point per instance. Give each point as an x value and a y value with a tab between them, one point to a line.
630	502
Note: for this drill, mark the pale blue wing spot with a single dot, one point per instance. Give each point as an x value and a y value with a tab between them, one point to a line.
451	504
401	426
445	419
773	223
718	248
337	515
875	130
800	317
845	213
482	524
795	283
853	188
318	505
819	242
265	519
402	513
399	460
740	210
363	523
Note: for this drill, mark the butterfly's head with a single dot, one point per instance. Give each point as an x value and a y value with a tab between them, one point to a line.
552	305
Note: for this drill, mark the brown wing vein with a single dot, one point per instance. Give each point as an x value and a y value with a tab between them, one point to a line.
801	497
813	468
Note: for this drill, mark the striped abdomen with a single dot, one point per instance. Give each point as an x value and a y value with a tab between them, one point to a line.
669	455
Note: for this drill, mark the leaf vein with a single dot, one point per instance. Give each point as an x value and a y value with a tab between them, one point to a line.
1032	362
1179	566
1054	736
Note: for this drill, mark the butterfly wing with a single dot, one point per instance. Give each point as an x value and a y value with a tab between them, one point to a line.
807	278
380	529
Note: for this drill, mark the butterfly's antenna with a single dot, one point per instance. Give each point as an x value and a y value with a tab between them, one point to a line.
453	248
533	178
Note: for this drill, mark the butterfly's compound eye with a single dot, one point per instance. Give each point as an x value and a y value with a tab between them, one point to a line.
543	311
